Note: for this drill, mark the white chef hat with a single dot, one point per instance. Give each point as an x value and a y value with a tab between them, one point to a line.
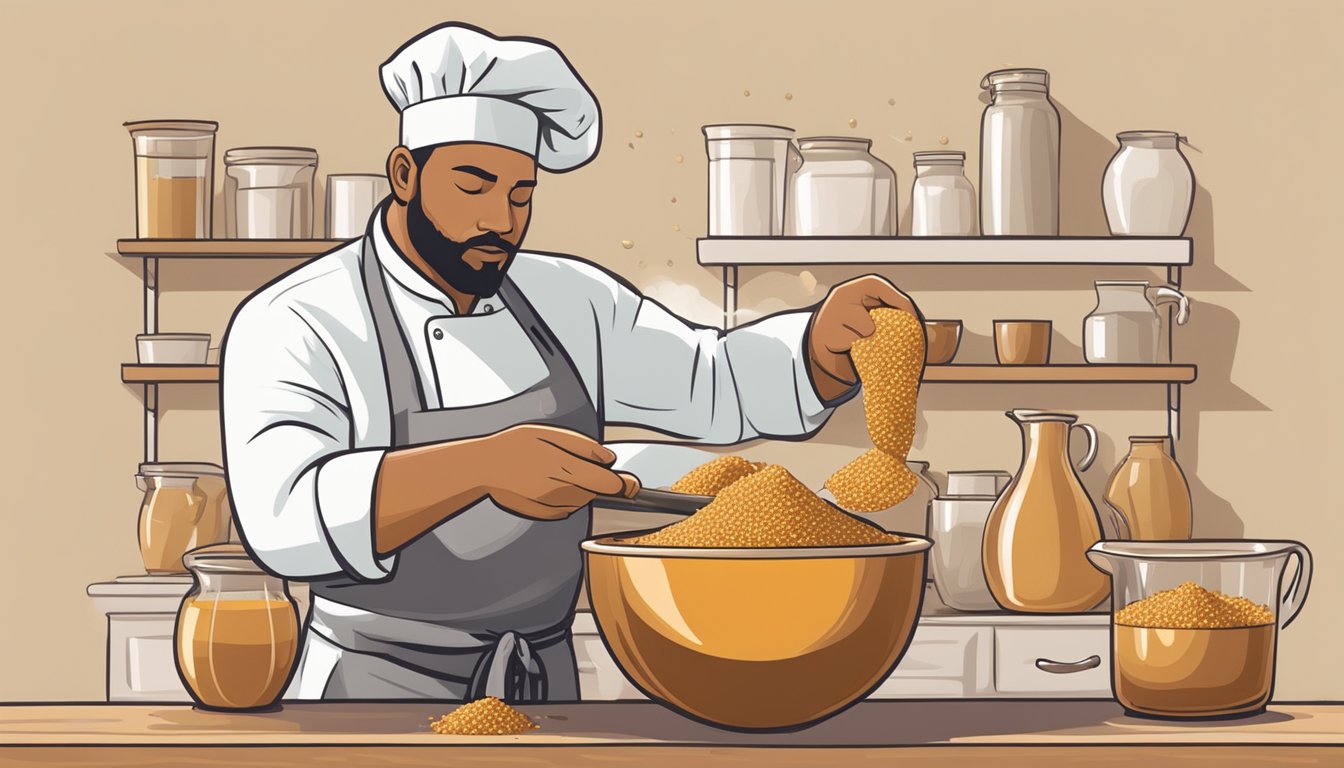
457	83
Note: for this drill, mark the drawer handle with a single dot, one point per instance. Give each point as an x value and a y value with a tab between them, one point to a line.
1065	667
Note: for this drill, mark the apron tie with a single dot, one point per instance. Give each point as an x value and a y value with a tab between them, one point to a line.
509	671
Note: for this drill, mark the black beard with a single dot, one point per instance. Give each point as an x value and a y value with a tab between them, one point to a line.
444	254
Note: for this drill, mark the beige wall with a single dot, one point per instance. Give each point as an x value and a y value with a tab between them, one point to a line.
1257	93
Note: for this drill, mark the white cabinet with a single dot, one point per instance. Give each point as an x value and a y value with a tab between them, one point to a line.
943	662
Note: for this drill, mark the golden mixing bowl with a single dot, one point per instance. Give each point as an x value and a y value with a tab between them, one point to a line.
756	639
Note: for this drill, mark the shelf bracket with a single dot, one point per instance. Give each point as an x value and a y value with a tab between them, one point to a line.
151	423
729	296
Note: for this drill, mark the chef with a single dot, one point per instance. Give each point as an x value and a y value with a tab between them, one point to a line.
413	422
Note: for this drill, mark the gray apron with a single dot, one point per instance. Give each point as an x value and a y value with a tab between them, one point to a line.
480	605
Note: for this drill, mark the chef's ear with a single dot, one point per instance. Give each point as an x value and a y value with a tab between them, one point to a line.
403	174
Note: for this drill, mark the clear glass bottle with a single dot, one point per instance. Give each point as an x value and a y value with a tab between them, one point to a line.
1037	535
1148	187
237	636
841	190
942	202
1019	155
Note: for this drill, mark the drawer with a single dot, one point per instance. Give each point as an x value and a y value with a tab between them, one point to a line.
599	676
1017	650
942	661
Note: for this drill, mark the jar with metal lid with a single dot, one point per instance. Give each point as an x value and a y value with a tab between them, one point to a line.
237	637
268	192
942	202
174	177
1019	155
841	190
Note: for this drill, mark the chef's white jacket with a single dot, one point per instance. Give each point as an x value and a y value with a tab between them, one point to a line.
305	404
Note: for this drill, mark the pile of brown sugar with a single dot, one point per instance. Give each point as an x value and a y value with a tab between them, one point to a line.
1191	606
711	477
483	717
769	508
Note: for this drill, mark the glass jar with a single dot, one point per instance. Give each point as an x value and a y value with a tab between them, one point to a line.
1179	651
186	505
237	636
1019	155
841	190
942	202
351	200
268	192
174	177
1149	492
1148	187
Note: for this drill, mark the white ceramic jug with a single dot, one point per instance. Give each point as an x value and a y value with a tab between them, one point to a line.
1149	188
1125	326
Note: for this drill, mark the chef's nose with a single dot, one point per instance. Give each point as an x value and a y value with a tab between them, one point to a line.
497	219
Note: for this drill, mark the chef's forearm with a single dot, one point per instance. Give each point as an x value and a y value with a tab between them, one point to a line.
418	488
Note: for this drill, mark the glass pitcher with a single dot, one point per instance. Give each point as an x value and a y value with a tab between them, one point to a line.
1125	326
749	170
237	635
1178	649
1037	534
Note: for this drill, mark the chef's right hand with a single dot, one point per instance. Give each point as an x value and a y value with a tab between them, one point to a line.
545	473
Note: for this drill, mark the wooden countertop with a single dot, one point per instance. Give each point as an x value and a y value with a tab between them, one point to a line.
1017	732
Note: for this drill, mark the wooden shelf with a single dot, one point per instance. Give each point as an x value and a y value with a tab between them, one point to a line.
945	374
226	249
749	251
134	373
1072	373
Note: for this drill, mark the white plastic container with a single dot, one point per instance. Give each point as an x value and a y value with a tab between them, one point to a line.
942	202
268	192
841	190
1149	188
749	169
172	348
1019	155
351	198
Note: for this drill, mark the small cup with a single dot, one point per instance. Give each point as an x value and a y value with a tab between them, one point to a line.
944	336
1022	342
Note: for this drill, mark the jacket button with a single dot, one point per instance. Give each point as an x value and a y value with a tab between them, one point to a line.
438	334
488	308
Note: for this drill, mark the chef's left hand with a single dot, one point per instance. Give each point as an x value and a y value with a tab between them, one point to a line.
841	320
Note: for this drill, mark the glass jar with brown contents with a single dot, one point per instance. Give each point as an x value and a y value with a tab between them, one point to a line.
1195	623
237	631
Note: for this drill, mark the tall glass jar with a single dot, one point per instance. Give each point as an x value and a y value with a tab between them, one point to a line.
1148	188
237	636
942	202
841	190
268	192
1019	155
174	177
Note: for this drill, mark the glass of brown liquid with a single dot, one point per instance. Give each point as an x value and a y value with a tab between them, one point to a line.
237	632
174	177
1195	623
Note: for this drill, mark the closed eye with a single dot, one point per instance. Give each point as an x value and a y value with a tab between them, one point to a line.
471	190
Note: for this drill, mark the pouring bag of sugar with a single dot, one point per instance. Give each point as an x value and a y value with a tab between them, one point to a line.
890	364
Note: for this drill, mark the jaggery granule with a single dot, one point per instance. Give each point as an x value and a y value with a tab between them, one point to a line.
769	508
874	481
711	477
1191	606
889	364
484	717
